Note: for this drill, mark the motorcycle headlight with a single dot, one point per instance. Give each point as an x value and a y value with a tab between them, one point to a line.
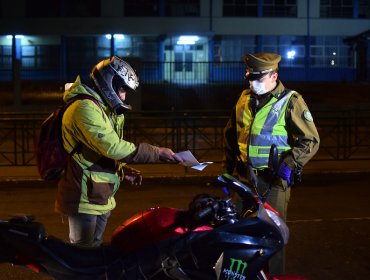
280	224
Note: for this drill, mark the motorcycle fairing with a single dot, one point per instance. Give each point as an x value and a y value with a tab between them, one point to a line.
239	267
150	226
198	253
227	268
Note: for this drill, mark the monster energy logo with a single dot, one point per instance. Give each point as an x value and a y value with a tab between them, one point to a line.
236	270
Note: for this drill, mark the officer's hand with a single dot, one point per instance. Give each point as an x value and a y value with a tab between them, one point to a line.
284	172
133	176
167	155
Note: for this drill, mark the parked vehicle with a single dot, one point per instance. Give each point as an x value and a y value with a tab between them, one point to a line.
211	239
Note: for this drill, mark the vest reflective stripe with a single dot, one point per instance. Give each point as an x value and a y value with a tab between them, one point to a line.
268	128
261	160
266	140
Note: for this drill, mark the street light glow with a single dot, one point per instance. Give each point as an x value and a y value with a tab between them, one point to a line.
187	40
115	36
291	54
16	36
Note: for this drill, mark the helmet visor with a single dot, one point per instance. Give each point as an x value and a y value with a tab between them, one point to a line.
125	72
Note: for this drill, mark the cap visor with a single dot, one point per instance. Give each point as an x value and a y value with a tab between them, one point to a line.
253	77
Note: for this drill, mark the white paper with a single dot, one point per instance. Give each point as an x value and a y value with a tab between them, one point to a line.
190	161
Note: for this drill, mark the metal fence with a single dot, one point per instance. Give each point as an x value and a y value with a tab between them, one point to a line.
344	134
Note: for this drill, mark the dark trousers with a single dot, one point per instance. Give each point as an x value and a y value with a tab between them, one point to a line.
278	197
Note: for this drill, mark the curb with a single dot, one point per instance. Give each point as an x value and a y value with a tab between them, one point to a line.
187	179
169	174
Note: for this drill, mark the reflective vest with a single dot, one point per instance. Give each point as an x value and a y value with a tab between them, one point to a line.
267	127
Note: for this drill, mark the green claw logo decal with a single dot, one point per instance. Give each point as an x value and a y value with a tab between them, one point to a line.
236	270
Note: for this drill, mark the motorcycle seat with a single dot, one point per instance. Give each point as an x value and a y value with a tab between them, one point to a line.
24	230
80	258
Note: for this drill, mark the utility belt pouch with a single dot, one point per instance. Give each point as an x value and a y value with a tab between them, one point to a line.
296	176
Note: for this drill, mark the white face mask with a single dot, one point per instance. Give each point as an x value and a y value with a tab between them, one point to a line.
258	87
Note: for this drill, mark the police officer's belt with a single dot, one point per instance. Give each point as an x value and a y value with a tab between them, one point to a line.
261	172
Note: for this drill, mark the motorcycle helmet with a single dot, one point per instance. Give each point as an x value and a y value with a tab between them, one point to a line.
109	75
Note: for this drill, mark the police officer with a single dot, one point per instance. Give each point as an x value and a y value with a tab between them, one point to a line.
268	113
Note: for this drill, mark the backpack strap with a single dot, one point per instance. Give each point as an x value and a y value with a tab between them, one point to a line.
79	97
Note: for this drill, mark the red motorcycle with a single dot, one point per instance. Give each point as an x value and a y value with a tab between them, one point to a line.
210	239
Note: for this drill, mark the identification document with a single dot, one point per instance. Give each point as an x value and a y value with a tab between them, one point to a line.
190	161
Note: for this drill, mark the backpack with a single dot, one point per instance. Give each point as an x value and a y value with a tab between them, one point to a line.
51	157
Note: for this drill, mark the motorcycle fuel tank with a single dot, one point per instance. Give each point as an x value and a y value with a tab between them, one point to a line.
150	226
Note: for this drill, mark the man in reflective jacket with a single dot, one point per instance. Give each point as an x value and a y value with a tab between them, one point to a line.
268	113
93	130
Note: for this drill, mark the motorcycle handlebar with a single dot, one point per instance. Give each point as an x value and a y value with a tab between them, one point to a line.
207	212
231	182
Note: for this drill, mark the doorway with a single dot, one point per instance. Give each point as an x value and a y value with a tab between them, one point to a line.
186	63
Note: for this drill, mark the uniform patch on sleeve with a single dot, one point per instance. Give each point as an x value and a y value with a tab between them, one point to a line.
307	115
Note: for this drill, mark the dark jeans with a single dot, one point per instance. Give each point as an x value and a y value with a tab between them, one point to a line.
86	229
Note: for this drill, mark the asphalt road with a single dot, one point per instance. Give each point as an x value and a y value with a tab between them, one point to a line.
328	217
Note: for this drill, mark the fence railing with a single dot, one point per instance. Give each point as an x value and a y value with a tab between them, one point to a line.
344	134
184	73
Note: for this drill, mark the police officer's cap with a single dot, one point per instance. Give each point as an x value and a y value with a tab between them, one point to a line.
259	64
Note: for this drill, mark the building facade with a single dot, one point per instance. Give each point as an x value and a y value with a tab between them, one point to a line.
185	41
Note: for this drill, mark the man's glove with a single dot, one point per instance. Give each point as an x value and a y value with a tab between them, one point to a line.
284	172
132	175
167	155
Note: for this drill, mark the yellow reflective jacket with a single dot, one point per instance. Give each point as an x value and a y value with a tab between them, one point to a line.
90	180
